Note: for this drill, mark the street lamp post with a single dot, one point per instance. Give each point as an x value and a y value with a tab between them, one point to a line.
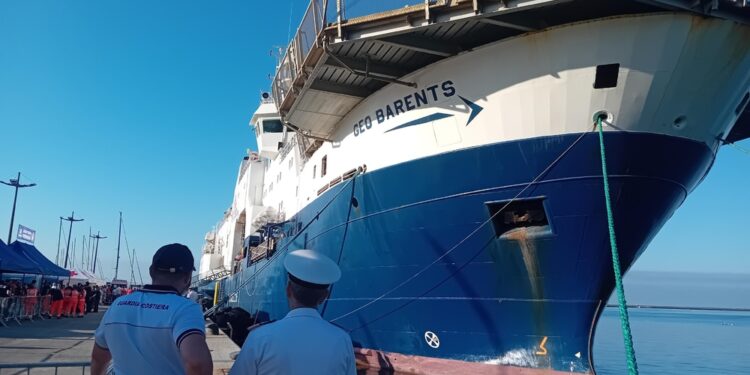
16	184
71	219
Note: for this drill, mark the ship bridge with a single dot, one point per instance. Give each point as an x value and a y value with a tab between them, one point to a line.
345	50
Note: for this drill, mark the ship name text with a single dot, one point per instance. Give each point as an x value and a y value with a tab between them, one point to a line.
426	96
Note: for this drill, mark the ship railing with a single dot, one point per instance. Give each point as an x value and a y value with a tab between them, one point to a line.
24	308
351	9
304	40
307	41
47	367
243	167
262	251
290	144
259	252
293	145
207	277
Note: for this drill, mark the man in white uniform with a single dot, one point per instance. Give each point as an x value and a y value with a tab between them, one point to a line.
155	330
303	342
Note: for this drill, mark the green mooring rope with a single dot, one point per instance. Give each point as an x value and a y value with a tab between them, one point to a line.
624	319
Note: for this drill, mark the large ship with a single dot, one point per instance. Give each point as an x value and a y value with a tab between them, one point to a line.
444	153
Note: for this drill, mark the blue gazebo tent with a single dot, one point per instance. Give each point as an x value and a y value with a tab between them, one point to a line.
46	266
14	261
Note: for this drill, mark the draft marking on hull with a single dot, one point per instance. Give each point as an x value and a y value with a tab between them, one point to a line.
542	350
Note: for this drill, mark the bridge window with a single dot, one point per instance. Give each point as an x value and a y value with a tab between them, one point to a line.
324	166
272	126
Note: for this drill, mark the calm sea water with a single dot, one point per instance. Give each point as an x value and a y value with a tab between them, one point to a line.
679	342
676	342
671	342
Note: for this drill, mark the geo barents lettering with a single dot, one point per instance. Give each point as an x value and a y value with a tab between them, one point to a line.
426	96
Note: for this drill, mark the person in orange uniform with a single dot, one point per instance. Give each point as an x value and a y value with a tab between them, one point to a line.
30	300
81	301
67	295
57	301
73	302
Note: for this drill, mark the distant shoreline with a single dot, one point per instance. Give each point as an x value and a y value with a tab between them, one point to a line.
730	309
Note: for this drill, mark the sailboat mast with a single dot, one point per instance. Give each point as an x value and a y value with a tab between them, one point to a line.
119	233
90	251
83	251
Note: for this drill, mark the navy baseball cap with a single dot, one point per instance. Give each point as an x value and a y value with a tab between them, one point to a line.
173	258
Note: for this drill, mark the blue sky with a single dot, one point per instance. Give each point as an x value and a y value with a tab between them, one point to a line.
142	107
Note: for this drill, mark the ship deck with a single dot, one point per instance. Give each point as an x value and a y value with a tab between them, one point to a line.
321	78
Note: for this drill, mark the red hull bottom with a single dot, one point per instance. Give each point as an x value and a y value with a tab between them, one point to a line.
375	362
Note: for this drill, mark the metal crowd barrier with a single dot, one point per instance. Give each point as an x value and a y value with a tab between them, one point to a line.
107	299
56	366
24	308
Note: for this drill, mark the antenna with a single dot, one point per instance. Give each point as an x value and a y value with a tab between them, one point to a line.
289	29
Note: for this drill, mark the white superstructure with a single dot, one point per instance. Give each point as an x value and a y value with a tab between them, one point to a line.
549	91
655	78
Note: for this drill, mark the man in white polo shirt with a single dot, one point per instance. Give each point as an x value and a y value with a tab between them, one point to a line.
303	343
155	330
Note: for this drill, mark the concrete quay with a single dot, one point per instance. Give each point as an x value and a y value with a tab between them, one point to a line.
71	339
223	350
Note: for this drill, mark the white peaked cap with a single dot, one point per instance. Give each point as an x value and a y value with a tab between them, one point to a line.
312	267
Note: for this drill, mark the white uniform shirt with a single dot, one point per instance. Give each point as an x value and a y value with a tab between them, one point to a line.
301	343
143	331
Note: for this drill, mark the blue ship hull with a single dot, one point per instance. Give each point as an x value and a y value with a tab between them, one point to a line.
528	297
